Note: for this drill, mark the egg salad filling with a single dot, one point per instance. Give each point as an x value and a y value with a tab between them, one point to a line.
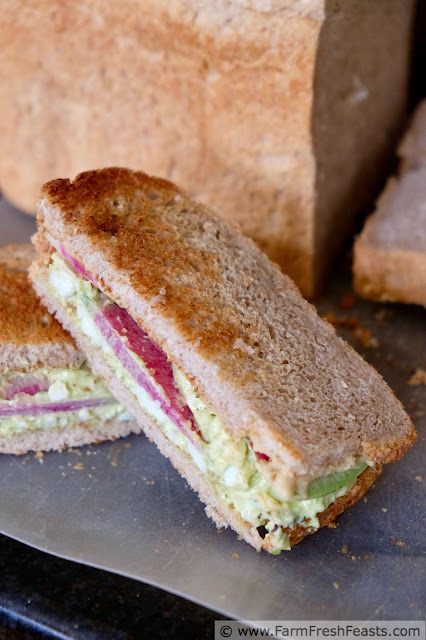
54	398
232	466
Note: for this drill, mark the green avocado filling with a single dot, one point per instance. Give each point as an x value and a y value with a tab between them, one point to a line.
231	464
63	386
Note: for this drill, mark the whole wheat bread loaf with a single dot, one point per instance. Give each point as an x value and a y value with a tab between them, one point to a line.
281	114
390	253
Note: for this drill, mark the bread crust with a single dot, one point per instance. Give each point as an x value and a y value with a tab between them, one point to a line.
244	103
328	516
389	275
29	337
390	253
222	515
74	436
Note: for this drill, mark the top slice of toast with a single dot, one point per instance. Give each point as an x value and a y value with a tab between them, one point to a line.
256	351
29	336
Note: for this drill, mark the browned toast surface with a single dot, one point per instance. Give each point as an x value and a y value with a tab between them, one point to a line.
237	327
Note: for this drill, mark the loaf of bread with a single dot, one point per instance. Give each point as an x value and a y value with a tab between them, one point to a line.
390	253
279	113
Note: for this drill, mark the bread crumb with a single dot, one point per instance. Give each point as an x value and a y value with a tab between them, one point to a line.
419	478
352	323
353	557
365	337
39	454
401	544
345	548
219	530
384	509
347	302
365	499
418	377
128	445
380	318
79	466
235	555
393	540
114	463
336	585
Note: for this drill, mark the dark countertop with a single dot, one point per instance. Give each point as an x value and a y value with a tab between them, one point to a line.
43	596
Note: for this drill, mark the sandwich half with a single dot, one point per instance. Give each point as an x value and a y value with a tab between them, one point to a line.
49	397
275	421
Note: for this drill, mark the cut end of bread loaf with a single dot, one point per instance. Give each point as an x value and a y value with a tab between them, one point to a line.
390	254
29	336
232	322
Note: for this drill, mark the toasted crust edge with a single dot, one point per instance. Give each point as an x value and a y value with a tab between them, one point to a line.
389	276
184	464
74	436
56	348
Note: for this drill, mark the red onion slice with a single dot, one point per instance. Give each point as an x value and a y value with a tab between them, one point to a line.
29	384
71	261
54	407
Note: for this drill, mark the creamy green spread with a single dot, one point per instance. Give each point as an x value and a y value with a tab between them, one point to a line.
64	385
230	463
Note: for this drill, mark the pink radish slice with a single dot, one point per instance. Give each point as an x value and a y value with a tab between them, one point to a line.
29	384
115	320
54	407
72	261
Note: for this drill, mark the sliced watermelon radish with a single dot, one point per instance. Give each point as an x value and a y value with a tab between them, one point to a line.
54	407
123	335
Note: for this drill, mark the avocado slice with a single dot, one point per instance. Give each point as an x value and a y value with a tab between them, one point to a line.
333	482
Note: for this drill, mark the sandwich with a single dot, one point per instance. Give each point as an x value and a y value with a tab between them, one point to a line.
275	421
49	397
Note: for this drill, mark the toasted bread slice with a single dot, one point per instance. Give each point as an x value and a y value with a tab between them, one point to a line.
254	350
32	342
29	336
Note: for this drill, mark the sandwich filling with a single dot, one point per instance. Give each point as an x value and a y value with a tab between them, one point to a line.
233	468
54	398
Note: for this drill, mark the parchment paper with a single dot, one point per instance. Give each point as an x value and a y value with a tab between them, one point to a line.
122	507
